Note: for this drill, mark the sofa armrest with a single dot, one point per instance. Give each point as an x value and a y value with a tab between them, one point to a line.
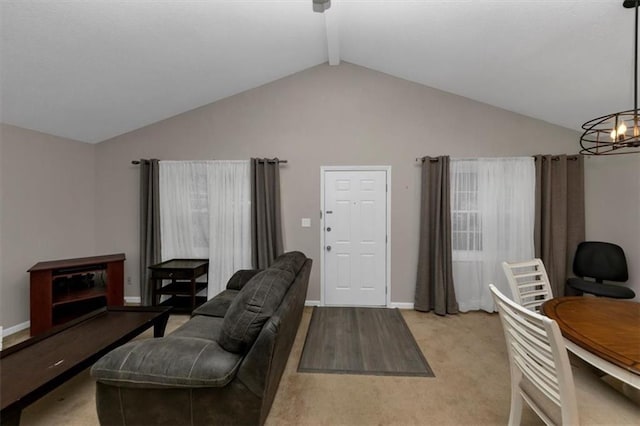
168	362
240	278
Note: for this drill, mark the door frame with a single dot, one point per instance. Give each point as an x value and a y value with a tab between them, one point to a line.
387	169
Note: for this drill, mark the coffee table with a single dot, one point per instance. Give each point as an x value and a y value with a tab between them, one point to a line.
36	366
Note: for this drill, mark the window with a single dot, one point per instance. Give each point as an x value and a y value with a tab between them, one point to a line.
199	209
466	238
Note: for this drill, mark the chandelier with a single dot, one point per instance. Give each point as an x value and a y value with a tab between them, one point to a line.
321	5
617	133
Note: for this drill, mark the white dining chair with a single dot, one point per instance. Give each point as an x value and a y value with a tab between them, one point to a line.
540	370
529	283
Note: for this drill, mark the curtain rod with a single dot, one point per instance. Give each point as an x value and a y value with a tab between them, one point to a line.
274	160
554	158
433	160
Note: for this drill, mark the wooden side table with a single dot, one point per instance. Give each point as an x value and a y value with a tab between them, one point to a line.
183	288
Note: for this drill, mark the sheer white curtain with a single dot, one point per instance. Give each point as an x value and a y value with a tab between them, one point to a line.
184	217
229	221
492	205
205	213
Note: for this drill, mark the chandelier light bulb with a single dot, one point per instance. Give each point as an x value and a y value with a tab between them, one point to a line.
619	133
622	128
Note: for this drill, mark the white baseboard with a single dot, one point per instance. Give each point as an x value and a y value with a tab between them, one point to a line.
133	300
401	305
311	303
16	328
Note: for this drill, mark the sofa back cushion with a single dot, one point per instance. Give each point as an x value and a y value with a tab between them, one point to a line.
252	307
290	261
240	278
218	306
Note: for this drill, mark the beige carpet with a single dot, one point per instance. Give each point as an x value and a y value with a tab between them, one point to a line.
471	387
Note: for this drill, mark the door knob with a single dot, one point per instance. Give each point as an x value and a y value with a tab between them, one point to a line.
328	248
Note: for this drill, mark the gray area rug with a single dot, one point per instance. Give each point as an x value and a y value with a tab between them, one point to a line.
373	341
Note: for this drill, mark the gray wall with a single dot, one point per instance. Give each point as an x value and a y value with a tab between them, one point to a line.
47	210
612	206
62	198
344	115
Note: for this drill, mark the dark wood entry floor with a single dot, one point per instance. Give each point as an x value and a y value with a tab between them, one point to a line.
376	341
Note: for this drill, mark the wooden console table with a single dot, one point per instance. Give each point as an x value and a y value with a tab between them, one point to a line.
62	290
183	287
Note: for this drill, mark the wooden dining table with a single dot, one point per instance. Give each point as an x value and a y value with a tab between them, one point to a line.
604	332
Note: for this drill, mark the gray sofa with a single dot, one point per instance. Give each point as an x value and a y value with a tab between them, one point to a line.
223	366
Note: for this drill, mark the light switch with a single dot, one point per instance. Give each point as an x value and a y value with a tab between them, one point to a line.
306	222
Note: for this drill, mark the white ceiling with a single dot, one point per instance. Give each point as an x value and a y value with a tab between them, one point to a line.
90	70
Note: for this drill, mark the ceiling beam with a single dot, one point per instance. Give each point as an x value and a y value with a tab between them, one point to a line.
333	34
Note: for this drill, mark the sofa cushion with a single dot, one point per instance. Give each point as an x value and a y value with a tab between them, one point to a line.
200	327
240	278
168	362
217	307
290	261
252	307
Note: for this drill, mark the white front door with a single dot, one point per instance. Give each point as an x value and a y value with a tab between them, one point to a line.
355	235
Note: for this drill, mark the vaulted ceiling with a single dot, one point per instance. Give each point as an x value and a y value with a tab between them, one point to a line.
91	70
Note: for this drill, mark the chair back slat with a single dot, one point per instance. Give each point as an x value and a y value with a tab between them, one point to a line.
534	348
529	283
540	369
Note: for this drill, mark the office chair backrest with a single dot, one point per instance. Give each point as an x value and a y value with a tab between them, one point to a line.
540	369
529	283
601	261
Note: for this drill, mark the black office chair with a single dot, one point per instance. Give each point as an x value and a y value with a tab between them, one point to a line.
600	261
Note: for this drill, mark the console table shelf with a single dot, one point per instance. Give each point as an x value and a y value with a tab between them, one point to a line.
76	296
61	290
181	288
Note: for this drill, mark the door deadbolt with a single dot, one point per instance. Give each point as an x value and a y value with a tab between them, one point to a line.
328	229
328	248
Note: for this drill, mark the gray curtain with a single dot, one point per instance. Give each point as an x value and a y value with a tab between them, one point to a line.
560	219
149	224
434	283
266	223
